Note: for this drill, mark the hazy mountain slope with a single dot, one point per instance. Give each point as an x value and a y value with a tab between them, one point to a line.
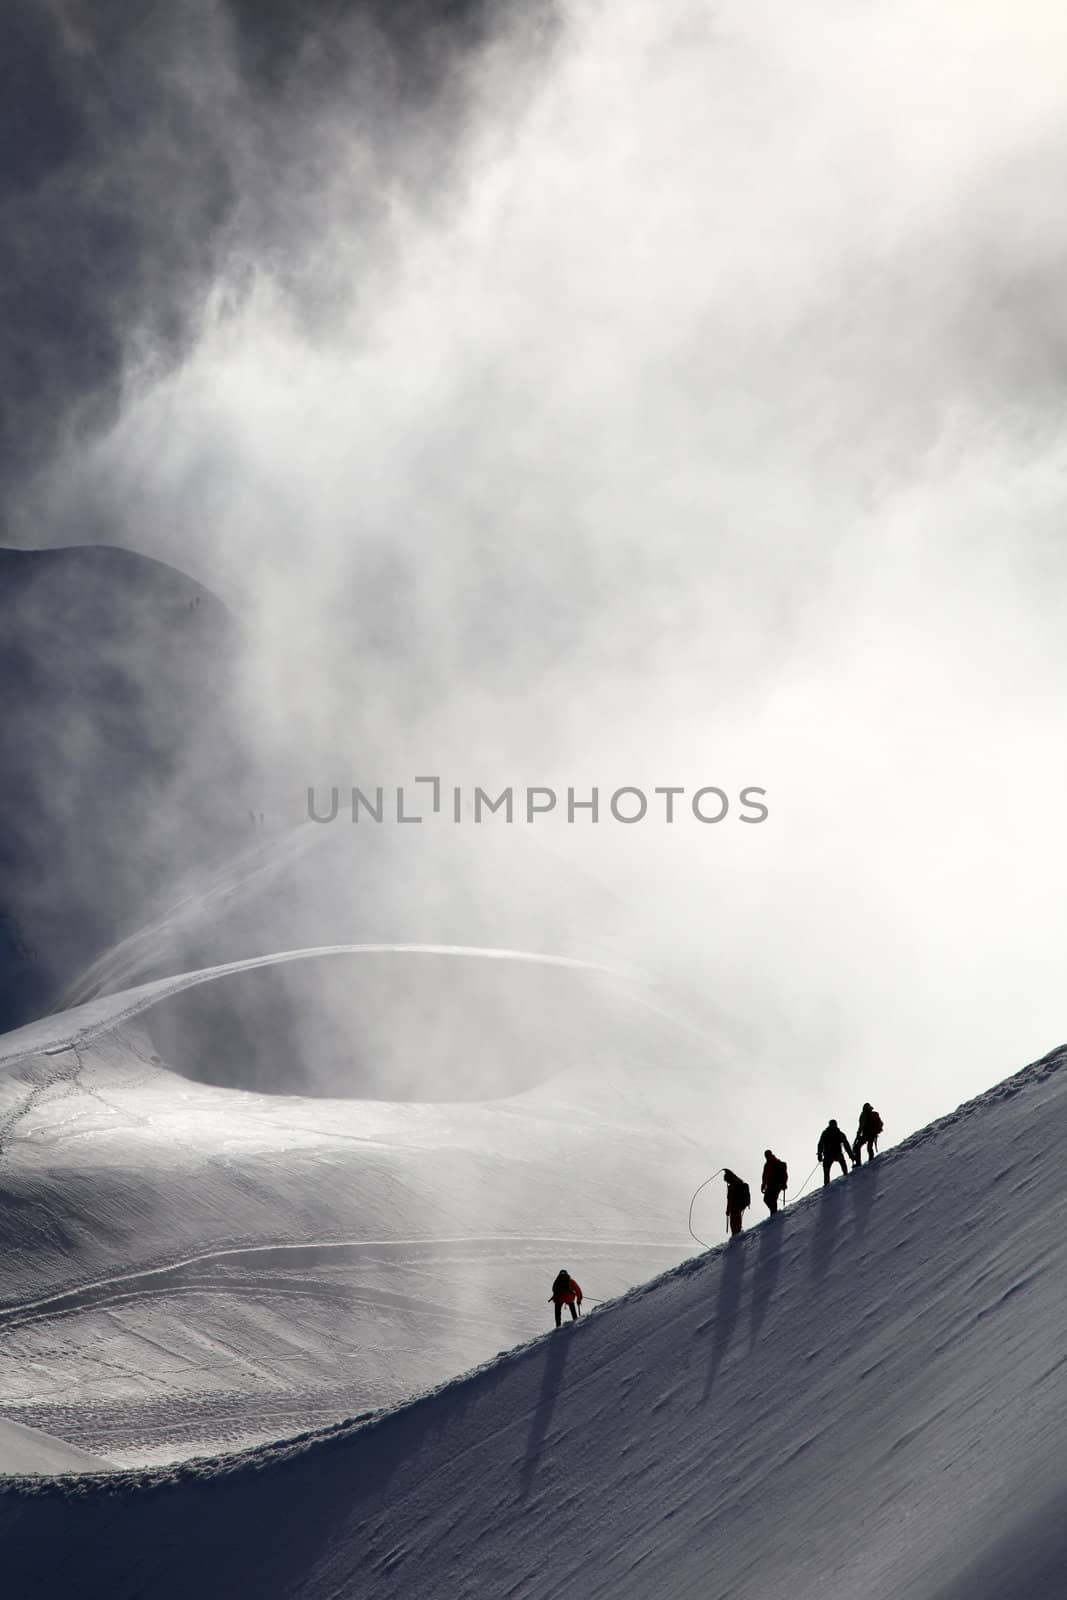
189	1267
864	1396
292	886
119	769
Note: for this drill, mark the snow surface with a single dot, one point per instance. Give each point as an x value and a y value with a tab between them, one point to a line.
188	1269
863	1396
27	1450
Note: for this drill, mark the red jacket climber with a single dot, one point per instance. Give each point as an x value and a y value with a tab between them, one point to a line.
566	1292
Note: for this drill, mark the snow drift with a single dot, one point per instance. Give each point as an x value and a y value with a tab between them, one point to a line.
864	1396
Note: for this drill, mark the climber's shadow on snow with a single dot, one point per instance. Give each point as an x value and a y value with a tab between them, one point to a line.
862	1193
727	1307
765	1274
824	1233
556	1349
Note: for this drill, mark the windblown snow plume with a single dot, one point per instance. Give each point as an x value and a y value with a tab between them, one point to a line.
616	395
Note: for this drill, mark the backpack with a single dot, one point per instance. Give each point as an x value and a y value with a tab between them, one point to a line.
876	1124
782	1173
743	1196
562	1284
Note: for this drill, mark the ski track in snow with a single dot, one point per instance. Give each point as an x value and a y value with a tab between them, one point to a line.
87	1295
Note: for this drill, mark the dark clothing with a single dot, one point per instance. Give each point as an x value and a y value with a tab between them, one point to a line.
773	1184
867	1134
870	1124
833	1148
832	1143
565	1292
737	1199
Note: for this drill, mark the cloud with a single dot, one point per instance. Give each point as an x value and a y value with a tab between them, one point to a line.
672	395
139	162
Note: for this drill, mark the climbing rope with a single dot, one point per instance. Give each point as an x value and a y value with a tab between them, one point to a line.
703	1242
696	1236
807	1180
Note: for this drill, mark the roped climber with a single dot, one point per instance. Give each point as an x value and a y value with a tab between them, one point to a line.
566	1291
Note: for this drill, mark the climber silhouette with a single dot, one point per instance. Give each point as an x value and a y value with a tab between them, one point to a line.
738	1199
833	1147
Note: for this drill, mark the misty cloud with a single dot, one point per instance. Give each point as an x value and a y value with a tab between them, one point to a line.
142	159
665	392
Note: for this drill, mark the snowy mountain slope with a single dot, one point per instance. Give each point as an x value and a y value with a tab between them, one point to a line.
313	884
80	1025
863	1396
190	1268
28	1450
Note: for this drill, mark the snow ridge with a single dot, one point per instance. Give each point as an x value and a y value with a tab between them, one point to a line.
205	1469
882	1364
